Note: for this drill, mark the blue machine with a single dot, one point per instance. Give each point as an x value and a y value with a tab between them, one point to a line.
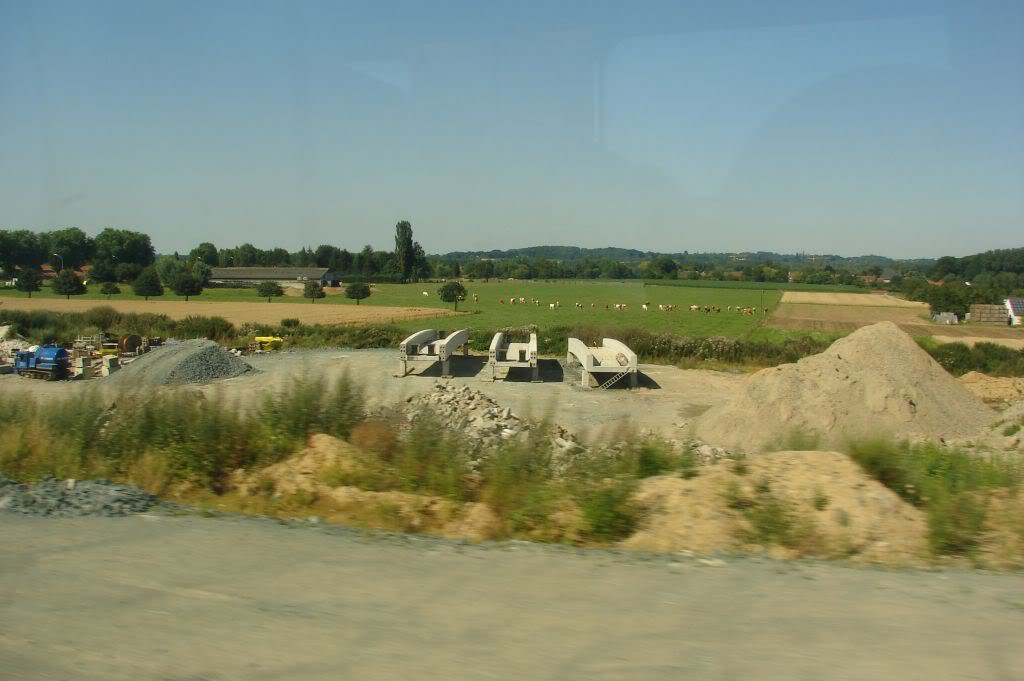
48	363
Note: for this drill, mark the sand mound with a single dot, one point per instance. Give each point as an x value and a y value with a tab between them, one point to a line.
876	381
993	388
311	471
840	510
193	361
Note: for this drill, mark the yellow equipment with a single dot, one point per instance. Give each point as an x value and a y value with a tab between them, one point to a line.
268	343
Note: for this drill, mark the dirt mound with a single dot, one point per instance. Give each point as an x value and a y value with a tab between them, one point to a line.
875	382
313	471
992	388
833	508
193	361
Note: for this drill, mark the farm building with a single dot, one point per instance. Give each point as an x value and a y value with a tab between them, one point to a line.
945	318
241	277
992	314
1015	308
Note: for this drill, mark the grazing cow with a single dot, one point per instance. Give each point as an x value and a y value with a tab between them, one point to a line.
501	300
425	293
644	306
522	300
591	306
551	306
476	298
694	308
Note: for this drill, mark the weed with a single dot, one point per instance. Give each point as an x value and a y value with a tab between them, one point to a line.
1011	429
820	500
609	511
739	464
949	484
688	464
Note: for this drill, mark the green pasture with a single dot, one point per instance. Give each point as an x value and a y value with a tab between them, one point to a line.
488	312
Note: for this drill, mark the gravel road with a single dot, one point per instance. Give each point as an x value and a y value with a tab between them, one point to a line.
189	598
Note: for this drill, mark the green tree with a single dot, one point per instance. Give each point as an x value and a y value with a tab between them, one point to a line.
67	284
103	270
109	288
269	289
452	292
148	284
128	271
313	290
405	254
184	284
73	246
202	271
169	267
204	252
29	280
357	291
124	246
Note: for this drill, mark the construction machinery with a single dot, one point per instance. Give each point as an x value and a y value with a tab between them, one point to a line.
266	344
49	363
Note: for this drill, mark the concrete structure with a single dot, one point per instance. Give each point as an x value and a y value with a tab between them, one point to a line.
945	318
432	346
1015	308
610	362
503	353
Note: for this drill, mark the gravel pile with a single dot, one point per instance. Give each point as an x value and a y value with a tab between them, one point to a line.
485	422
69	498
193	361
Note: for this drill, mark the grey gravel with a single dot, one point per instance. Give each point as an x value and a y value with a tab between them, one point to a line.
55	498
176	363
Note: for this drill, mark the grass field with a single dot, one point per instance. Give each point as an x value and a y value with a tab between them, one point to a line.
489	313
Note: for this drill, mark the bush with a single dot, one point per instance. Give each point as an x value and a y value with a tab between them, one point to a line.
988	358
103	317
211	328
290	323
609	511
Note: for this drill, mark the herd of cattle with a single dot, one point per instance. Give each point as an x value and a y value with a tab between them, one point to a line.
707	309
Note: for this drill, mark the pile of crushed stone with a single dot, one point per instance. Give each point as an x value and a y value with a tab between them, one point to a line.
70	498
485	422
875	382
192	361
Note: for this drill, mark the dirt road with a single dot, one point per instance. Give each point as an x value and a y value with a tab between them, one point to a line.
239	312
191	598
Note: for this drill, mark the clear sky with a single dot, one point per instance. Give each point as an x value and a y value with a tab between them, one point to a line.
889	127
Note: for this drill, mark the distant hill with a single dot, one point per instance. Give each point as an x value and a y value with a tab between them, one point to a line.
727	260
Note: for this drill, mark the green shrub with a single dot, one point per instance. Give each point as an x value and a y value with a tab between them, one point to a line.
947	483
609	511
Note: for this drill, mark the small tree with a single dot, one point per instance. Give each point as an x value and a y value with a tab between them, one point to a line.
109	288
148	284
185	284
29	280
269	289
67	284
357	291
313	290
452	292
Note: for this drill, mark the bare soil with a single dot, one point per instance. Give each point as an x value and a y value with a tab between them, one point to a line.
239	312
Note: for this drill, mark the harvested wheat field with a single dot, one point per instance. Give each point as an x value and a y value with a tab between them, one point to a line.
875	382
843	312
851	300
240	313
826	506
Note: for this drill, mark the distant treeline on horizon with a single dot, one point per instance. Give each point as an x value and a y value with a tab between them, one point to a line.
117	254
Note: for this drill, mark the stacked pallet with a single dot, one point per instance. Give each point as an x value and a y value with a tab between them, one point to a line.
988	314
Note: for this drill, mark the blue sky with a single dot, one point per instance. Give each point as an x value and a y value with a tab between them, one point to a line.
889	127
